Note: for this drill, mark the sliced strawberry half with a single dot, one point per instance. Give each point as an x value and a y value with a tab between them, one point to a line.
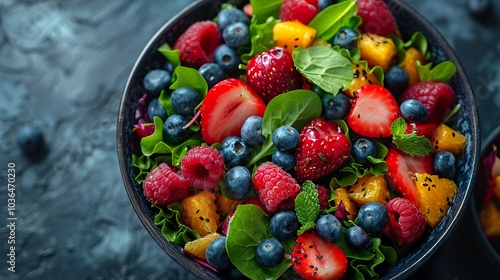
373	111
316	258
437	97
226	107
421	129
400	170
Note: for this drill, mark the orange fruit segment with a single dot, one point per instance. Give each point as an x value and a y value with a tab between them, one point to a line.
412	55
448	139
293	34
199	246
200	212
341	194
361	77
370	188
377	50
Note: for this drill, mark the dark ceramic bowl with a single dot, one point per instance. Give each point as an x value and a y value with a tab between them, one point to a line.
409	21
490	246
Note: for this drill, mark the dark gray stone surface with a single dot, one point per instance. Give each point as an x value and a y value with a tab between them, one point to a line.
63	66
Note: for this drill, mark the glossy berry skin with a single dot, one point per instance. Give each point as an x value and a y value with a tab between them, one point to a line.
212	73
165	185
216	254
227	58
301	10
396	80
283	159
155	109
238	181
173	128
357	238
169	67
372	217
157	80
285	137
406	222
335	107
377	18
284	224
444	165
251	131
236	35
197	44
269	252
329	228
31	141
203	167
362	148
227	17
235	151
346	38
413	110
184	101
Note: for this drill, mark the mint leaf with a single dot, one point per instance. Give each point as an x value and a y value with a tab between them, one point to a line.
324	67
263	9
413	145
329	20
307	206
248	227
398	127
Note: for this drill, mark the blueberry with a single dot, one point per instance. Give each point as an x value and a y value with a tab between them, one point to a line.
362	148
227	17
173	128
155	109
236	35
251	131
285	137
357	239
157	80
169	67
325	3
318	90
216	254
283	159
329	227
346	38
227	58
212	73
480	9
31	141
444	164
372	217
269	252
396	80
234	151
284	224
335	107
184	101
414	110
238	181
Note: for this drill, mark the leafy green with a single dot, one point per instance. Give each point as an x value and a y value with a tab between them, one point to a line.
190	77
170	221
419	42
146	164
411	144
324	67
248	227
329	20
261	38
170	54
294	108
441	72
263	9
307	206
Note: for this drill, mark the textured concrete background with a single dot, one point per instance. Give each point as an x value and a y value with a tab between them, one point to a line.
63	66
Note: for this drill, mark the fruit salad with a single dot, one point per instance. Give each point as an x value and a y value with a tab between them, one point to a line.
298	139
489	214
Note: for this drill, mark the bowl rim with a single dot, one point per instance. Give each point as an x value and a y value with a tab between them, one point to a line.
494	256
199	271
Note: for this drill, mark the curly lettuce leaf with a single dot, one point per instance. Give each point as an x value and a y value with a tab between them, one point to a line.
261	38
170	221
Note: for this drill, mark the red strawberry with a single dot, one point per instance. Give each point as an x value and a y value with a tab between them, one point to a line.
301	10
226	107
373	111
273	72
422	129
323	147
276	188
198	43
377	18
315	258
400	170
437	97
405	222
164	185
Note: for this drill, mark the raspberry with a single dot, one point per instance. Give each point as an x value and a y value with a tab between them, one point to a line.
274	186
377	18
203	167
406	223
198	43
164	185
301	10
323	196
